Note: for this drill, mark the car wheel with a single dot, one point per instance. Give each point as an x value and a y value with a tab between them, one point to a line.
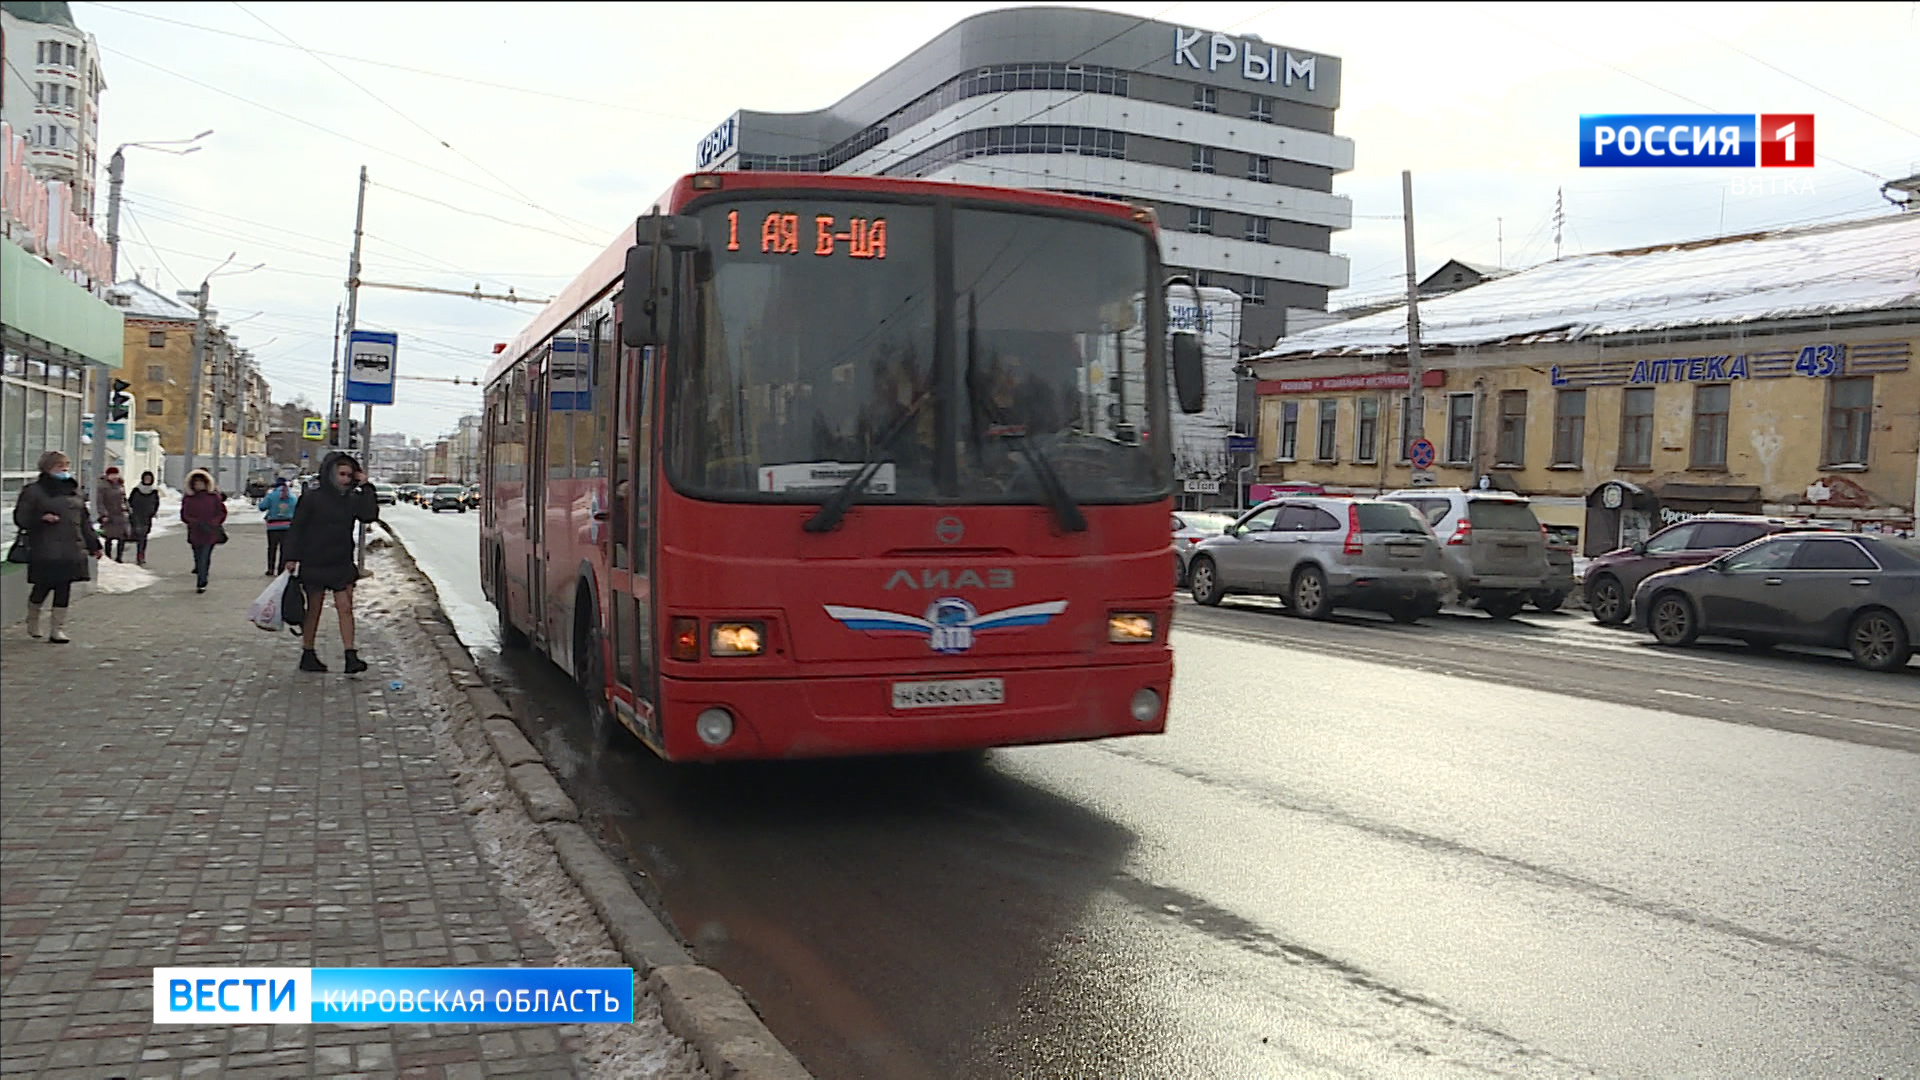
1179	573
1204	579
1672	620
1309	598
1607	600
1547	601
1503	607
1878	642
1407	614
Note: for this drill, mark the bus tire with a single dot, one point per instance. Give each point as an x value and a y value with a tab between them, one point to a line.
511	637
590	672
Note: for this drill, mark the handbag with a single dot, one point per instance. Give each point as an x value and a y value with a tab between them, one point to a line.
219	534
21	550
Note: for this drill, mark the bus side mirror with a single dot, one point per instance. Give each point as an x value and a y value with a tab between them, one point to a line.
1189	371
657	238
640	305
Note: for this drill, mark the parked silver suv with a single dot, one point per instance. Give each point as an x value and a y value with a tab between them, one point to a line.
1490	543
1317	554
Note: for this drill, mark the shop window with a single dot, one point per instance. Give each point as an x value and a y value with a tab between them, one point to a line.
1459	429
1366	414
1710	405
1289	429
1569	427
1636	428
1513	429
1849	420
1326	446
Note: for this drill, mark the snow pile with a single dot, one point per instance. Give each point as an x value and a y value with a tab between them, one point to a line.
1854	267
121	577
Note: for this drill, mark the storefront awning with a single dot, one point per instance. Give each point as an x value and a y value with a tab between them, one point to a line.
37	302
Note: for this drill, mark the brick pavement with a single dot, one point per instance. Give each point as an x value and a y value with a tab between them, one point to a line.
174	792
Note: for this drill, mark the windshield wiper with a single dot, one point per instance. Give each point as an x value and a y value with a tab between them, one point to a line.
1064	508
837	504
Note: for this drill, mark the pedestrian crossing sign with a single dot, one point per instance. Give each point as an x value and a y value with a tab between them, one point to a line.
315	427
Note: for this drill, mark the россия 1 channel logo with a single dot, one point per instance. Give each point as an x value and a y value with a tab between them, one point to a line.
1697	140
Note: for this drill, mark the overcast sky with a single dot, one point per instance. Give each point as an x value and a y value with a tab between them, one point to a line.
507	143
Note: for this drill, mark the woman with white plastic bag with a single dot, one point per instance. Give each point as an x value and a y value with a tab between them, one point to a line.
265	611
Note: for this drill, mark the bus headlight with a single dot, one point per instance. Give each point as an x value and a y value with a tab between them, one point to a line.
714	726
737	639
1146	704
1129	628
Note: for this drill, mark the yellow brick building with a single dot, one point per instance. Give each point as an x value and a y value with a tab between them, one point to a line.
159	366
1624	392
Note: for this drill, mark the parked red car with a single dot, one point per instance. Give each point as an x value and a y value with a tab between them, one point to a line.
1612	577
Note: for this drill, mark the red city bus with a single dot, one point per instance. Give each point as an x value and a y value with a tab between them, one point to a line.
811	465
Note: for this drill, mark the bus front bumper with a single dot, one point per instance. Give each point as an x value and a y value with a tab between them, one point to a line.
850	716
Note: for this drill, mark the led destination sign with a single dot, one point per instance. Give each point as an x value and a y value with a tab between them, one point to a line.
781	234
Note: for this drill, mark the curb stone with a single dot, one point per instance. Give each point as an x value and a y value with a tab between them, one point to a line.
509	745
541	793
697	1003
702	1007
642	938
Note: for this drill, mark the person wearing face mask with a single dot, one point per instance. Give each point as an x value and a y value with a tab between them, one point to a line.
110	509
143	505
53	517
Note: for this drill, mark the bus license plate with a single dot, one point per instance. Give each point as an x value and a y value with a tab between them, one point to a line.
948	693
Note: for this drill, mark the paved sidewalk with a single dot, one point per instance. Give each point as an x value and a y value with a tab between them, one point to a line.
174	792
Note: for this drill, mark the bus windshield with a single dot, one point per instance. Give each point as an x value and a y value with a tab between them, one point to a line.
822	342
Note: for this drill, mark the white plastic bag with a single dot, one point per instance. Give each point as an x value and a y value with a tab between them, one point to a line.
264	612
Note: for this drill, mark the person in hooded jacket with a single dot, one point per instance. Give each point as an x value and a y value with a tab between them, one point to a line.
205	512
143	505
278	504
110	508
53	517
320	550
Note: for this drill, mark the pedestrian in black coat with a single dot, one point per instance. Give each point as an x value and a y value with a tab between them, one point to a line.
143	505
320	551
54	519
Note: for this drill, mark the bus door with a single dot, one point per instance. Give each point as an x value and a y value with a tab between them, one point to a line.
629	484
536	501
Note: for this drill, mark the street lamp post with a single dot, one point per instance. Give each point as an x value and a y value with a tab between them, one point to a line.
116	177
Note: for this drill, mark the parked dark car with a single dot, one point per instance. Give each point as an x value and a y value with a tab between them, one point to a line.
1857	592
1613	577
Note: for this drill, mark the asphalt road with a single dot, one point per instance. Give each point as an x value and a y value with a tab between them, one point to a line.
1536	849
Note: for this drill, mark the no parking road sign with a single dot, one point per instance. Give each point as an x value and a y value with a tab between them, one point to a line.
1420	453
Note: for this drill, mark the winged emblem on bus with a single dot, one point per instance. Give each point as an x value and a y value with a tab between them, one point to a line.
949	623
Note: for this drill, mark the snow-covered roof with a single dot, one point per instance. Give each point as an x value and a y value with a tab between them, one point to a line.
143	301
1859	266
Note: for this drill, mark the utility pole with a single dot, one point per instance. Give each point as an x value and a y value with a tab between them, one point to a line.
193	381
1416	406
1559	218
103	379
221	353
353	307
333	382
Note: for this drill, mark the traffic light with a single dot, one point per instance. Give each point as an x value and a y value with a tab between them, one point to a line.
120	405
333	433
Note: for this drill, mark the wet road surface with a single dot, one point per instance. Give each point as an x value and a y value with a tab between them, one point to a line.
1361	850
